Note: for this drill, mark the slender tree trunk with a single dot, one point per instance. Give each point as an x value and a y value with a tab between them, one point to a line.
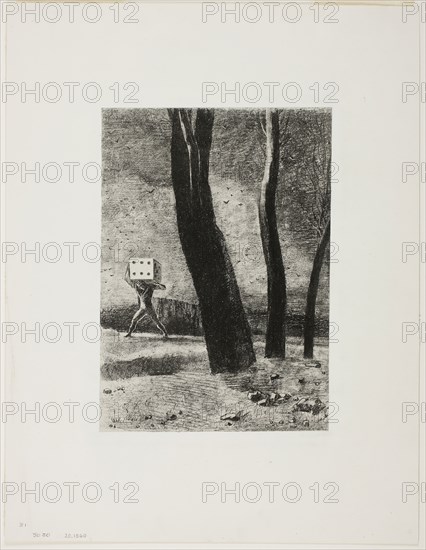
277	294
226	329
309	329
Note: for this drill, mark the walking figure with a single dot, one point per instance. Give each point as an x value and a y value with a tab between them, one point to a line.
144	291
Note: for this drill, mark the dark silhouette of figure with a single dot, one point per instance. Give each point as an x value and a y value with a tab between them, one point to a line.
144	291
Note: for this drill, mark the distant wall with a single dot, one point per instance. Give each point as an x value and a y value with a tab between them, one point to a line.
184	318
179	317
295	322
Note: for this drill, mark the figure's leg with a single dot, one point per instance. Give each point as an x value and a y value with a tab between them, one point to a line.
160	326
138	316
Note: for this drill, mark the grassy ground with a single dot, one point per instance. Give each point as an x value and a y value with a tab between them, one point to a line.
151	384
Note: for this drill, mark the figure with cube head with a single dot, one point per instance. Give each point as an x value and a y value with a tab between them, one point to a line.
144	275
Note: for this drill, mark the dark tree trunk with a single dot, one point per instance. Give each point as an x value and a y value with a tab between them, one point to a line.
277	294
309	329
226	329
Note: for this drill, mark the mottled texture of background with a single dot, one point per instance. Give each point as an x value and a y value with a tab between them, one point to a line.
138	207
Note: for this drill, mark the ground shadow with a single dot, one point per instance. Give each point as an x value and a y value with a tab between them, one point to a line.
143	366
